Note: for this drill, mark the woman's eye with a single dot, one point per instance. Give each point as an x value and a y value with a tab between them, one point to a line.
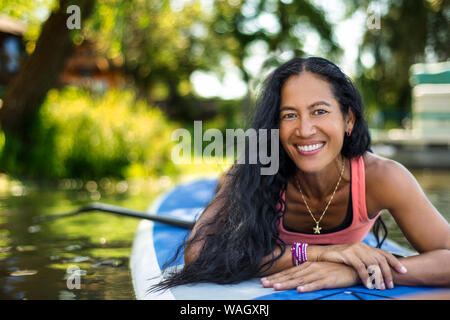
318	112
288	116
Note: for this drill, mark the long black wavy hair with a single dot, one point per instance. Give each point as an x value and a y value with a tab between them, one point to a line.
244	230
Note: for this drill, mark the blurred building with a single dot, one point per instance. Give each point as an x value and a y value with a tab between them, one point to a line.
431	101
11	47
86	67
426	144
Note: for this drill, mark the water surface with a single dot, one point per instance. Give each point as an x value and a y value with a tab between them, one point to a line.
34	258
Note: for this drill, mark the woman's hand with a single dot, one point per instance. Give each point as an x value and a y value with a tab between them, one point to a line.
312	276
360	256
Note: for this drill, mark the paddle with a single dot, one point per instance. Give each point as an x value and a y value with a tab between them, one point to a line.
103	207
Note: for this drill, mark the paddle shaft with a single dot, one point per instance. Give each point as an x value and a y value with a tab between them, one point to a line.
103	207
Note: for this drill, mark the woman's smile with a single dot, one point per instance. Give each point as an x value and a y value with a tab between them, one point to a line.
312	126
309	149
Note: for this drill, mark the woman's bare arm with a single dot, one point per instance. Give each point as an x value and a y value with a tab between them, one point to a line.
394	188
421	223
283	263
427	269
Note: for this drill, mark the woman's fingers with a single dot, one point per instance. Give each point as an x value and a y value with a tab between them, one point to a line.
385	269
361	260
289	284
288	272
287	279
278	277
374	271
359	256
375	277
394	262
312	277
315	285
304	277
361	269
386	262
304	284
270	283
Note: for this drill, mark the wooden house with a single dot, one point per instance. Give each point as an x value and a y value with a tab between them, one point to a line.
12	49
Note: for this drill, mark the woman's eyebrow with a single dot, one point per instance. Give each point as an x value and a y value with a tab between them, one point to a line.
287	108
312	105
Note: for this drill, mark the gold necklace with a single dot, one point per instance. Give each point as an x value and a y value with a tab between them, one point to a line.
317	228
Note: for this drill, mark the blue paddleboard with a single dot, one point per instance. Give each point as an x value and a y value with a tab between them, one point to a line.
156	243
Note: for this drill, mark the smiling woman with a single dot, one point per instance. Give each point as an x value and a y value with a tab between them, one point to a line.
311	127
303	226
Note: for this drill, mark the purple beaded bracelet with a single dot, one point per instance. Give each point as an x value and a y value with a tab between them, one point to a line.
298	252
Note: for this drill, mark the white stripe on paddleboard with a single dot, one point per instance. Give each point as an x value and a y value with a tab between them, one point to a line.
143	263
145	270
246	290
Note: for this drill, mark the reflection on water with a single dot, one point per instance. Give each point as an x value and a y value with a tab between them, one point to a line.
34	258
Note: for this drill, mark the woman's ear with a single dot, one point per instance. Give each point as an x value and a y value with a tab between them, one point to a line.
350	120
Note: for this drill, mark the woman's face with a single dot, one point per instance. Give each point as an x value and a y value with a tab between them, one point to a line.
312	126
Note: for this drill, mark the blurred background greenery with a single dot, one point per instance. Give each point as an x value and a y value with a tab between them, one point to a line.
137	69
87	113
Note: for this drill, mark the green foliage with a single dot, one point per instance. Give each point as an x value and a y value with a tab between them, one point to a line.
82	135
410	32
33	13
160	43
158	46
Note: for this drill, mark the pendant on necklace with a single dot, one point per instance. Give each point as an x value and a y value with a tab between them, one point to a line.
317	229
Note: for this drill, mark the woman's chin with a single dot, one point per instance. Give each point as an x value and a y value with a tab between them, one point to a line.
308	169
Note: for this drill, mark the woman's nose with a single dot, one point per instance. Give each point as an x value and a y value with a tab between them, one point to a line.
305	128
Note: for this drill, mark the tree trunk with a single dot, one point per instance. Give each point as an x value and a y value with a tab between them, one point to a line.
39	72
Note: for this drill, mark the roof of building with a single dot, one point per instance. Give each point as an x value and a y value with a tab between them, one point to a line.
12	26
438	73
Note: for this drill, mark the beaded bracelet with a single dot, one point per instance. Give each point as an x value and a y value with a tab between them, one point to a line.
298	252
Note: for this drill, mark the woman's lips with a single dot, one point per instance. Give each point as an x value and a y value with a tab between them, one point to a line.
310	149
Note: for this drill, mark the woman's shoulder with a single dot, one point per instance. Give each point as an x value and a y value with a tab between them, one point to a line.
378	168
384	178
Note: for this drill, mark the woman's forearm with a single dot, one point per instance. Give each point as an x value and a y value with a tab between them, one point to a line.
427	269
285	261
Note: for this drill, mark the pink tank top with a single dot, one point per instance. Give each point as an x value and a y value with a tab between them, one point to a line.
360	226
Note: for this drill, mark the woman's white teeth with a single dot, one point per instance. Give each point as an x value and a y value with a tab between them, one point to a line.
310	147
